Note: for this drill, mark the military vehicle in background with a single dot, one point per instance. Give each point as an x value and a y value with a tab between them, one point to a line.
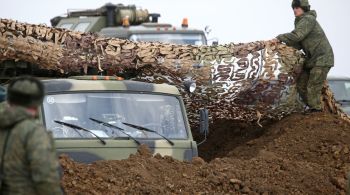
119	21
106	118
340	86
98	117
128	22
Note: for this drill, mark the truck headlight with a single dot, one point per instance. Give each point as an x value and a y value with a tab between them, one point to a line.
190	86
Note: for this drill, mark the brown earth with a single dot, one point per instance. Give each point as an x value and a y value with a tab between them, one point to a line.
301	154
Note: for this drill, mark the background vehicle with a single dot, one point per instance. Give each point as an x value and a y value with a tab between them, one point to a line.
121	114
128	22
96	117
341	89
87	116
125	22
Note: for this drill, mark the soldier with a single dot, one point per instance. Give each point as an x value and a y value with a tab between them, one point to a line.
309	36
28	159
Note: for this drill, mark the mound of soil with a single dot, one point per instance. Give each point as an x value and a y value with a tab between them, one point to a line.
301	154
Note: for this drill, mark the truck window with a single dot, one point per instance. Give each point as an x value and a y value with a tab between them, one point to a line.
184	39
82	26
341	89
157	112
66	26
347	86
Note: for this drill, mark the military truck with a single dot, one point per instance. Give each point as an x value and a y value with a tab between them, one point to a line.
120	21
99	117
128	22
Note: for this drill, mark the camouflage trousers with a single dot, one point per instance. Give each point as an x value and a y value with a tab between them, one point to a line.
310	84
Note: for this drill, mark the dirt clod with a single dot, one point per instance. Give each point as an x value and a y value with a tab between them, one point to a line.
198	161
235	181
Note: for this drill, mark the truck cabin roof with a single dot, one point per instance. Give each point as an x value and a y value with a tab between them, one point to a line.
81	84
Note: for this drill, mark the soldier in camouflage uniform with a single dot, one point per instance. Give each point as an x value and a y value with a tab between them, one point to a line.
28	159
310	37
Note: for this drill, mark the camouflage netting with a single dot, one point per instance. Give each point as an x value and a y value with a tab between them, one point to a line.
243	82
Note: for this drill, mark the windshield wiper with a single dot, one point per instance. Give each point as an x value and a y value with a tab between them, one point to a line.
80	128
114	127
149	130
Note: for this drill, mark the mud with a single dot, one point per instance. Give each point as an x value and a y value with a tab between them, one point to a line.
301	154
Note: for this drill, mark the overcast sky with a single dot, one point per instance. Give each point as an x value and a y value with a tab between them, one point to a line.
231	20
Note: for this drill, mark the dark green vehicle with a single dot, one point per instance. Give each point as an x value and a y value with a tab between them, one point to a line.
104	118
107	119
93	119
128	22
119	21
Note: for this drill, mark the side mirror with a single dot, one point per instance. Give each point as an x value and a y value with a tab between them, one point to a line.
204	121
207	30
203	124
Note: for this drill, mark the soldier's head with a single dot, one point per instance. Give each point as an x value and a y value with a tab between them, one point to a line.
25	91
300	7
2	94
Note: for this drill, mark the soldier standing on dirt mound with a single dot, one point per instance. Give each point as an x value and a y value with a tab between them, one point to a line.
309	36
28	159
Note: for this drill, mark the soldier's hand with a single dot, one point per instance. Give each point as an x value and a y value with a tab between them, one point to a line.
275	40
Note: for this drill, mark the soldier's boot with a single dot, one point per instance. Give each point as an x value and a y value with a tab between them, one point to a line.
309	110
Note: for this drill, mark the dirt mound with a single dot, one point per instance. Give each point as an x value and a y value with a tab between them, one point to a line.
302	154
317	138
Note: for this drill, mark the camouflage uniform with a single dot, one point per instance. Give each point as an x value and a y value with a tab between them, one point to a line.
309	36
30	164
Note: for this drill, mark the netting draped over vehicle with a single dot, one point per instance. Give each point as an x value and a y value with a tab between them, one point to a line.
243	82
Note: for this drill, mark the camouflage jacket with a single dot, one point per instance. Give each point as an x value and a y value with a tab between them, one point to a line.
30	163
309	36
3	105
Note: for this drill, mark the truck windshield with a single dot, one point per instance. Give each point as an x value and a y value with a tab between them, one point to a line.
66	26
160	113
82	26
341	89
183	39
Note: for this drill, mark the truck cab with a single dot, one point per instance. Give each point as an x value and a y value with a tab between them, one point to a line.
106	118
128	22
